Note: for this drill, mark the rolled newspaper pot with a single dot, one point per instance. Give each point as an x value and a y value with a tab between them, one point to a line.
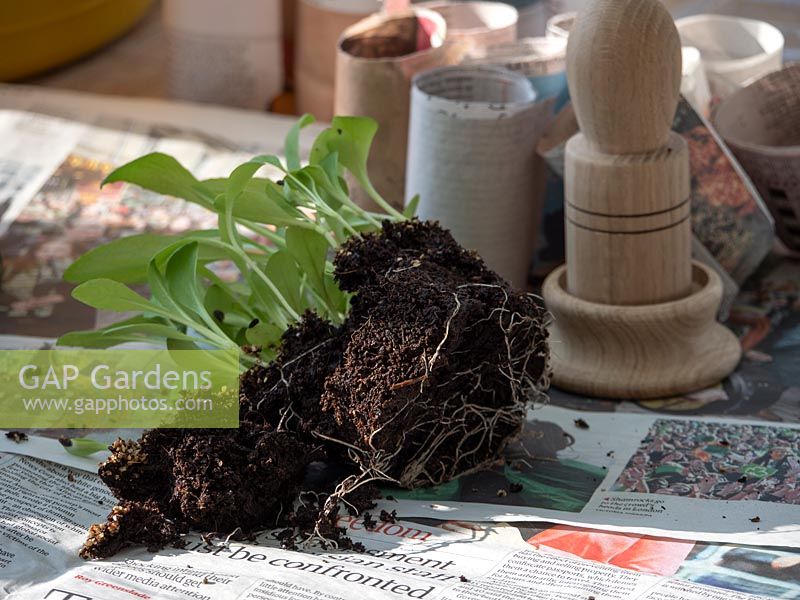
694	85
472	146
735	51
222	55
559	25
761	125
320	23
541	60
476	24
376	59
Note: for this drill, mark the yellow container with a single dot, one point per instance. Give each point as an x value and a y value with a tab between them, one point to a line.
37	35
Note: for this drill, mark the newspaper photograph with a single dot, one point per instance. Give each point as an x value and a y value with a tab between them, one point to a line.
759	570
46	509
63	211
691	478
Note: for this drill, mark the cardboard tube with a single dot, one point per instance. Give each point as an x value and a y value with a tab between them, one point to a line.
320	23
761	125
376	59
472	148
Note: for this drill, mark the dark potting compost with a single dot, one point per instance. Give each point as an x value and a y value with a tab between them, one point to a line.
428	378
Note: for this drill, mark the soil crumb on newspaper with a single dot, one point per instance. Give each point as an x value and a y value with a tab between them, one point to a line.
428	378
17	436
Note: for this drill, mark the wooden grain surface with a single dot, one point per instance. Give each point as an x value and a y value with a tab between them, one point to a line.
628	234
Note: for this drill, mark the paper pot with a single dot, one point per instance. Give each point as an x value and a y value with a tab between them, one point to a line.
541	60
761	125
376	59
320	23
224	56
477	24
735	51
472	148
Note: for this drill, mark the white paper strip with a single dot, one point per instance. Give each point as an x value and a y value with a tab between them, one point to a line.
694	84
559	25
734	51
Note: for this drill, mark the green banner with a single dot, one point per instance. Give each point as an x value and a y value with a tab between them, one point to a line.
98	389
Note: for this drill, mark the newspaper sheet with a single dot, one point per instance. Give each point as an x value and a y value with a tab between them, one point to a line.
52	208
45	509
710	479
695	478
50	179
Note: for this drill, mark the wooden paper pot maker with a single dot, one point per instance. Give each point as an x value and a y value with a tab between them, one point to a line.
634	317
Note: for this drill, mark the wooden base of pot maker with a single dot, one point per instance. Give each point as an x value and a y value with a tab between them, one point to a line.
645	351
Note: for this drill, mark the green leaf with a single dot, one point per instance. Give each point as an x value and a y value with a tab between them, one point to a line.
264	291
411	208
330	164
258	202
126	259
106	294
182	280
98	339
339	300
148	330
316	178
233	307
136	329
180	273
199	360
84	447
162	174
264	334
309	250
241	175
351	138
161	296
228	315
282	270
292	144
267	301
